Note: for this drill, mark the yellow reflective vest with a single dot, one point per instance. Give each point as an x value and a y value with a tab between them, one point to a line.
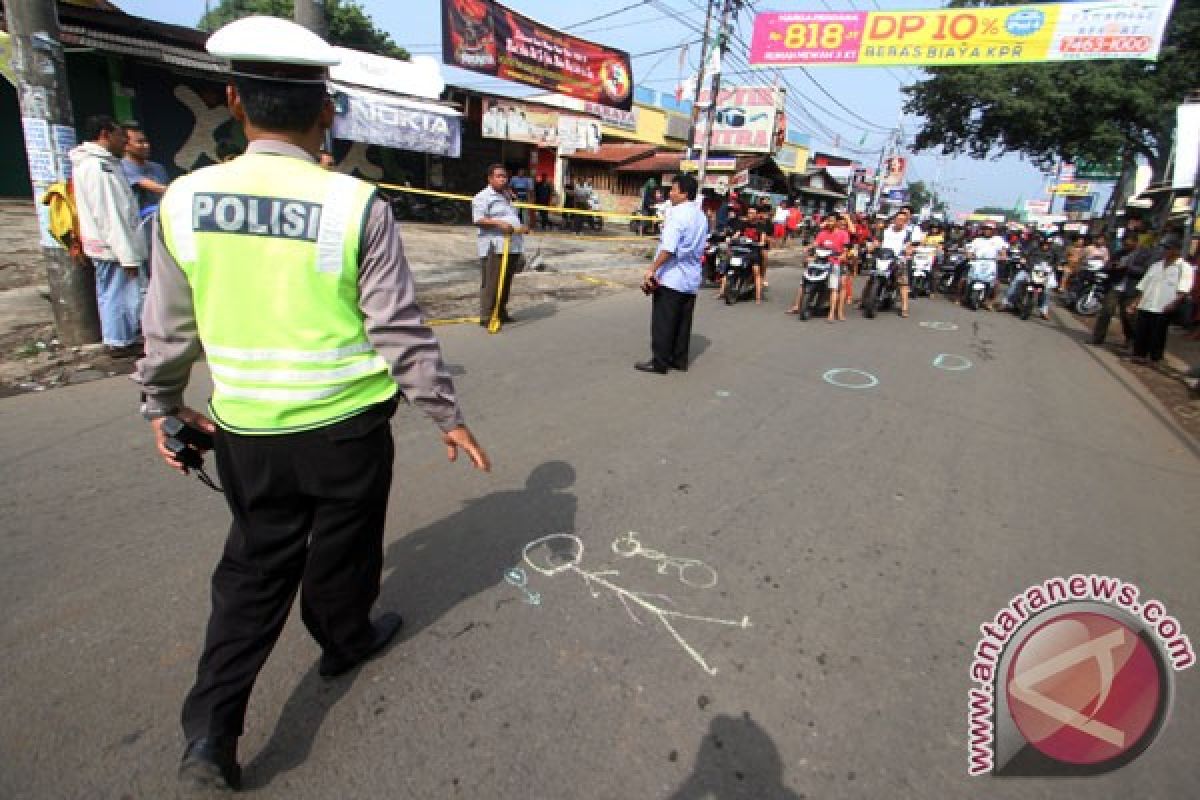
270	246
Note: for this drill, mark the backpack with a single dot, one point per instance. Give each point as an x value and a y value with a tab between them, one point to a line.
64	218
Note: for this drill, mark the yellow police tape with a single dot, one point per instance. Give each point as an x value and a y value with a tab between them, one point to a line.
495	320
534	206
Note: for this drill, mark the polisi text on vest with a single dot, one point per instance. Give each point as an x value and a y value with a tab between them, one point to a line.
251	215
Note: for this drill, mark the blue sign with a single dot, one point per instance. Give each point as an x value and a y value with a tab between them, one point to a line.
1078	203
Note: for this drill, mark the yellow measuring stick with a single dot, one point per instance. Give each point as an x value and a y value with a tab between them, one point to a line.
494	322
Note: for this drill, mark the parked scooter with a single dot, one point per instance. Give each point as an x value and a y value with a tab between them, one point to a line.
816	282
981	282
739	269
1091	286
425	208
880	292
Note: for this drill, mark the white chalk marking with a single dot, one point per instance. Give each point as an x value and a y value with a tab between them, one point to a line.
702	575
566	554
864	380
951	362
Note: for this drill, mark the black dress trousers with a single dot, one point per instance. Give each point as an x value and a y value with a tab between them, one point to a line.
671	327
308	513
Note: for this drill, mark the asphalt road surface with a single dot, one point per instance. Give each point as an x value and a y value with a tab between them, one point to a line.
863	535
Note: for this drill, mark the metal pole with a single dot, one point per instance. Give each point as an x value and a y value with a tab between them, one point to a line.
311	14
700	77
722	45
49	127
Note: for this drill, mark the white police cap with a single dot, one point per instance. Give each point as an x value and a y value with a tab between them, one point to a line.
271	40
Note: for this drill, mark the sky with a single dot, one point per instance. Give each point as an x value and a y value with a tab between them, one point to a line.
871	97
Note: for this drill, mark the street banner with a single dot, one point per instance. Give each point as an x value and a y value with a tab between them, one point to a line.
1037	206
484	36
515	121
1187	146
390	121
960	36
745	120
1071	188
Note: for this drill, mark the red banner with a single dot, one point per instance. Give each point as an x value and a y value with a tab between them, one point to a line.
484	36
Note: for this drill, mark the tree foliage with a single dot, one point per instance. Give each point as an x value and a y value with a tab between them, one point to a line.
920	195
1082	109
349	25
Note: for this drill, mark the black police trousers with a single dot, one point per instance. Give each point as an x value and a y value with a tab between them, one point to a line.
308	513
671	327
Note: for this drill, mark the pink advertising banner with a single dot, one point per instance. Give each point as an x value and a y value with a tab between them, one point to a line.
807	37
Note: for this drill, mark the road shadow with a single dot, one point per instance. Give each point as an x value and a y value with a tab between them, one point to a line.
737	760
532	313
426	574
697	346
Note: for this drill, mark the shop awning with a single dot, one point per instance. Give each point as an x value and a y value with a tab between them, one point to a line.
390	120
655	162
615	153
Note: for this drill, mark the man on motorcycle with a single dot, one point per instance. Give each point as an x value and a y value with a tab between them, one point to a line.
1042	252
988	246
755	230
832	238
898	237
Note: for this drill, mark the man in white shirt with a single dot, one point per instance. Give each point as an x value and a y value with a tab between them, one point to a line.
897	237
108	222
1161	290
988	246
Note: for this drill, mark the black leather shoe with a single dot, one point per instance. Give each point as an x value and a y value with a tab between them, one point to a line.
385	628
211	763
507	318
650	366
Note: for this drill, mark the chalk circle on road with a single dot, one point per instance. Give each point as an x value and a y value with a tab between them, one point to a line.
939	326
951	362
847	378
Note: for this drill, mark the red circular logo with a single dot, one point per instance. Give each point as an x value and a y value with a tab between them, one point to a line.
1084	688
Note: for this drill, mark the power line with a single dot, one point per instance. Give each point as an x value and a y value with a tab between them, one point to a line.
620	10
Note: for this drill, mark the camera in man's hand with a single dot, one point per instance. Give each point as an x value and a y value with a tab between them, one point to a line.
649	285
186	443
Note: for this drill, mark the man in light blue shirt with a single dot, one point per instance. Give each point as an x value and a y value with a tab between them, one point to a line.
674	278
493	213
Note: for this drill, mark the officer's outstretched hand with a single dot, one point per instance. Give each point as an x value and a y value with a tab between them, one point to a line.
461	437
187	416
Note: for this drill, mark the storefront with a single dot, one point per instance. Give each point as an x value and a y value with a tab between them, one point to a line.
818	192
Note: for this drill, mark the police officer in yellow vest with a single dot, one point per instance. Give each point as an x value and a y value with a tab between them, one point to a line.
293	283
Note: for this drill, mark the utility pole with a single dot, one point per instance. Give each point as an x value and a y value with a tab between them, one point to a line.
727	14
49	126
311	14
708	15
